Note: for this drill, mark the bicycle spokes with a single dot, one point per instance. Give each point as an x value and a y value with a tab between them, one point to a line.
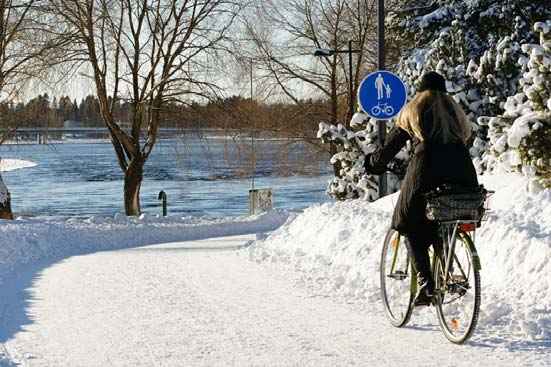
396	280
458	294
456	275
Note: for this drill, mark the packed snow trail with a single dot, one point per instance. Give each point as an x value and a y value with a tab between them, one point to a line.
203	303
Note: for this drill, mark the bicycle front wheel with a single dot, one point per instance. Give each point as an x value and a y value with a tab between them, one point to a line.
458	293
396	280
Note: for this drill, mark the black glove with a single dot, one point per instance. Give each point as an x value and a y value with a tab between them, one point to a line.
371	168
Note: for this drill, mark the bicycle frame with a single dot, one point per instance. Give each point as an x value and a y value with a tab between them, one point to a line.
413	282
448	231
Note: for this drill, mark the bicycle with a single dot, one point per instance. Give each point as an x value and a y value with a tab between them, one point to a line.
456	270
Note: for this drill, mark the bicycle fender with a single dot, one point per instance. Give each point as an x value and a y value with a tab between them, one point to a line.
472	249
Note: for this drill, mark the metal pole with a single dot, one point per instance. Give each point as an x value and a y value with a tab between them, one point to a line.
252	138
381	66
351	86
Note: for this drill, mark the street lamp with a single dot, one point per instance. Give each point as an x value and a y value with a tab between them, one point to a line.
252	124
325	52
252	191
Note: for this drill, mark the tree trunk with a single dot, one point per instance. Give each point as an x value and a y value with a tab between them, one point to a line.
132	184
5	205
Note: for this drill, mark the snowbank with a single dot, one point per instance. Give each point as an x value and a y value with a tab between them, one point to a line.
13	164
337	246
28	240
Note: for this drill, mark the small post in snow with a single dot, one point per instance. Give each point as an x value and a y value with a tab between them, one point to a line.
162	196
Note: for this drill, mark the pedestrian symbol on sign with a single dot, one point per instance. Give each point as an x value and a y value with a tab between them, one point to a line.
379	84
382	95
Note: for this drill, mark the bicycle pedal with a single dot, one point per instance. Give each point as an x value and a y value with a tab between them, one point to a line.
458	278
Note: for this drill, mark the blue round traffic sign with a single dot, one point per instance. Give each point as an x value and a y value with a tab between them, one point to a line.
382	95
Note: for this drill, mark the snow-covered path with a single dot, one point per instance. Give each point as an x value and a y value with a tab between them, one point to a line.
203	303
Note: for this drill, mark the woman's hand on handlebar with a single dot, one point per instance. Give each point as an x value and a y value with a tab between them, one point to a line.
377	170
371	168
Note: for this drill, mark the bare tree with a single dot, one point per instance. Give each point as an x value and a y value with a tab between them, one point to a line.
24	51
147	52
285	33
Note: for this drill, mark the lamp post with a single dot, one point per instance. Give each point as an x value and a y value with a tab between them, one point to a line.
252	192
325	52
252	125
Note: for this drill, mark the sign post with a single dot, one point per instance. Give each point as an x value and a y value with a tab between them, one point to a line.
381	66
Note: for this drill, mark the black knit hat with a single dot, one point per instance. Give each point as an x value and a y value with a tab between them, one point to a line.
432	80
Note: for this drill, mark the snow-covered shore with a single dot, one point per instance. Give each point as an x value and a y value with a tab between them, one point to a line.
28	240
337	246
13	164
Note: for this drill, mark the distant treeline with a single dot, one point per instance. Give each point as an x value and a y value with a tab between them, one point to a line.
229	113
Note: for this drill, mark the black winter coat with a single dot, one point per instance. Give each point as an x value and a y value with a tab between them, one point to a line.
432	164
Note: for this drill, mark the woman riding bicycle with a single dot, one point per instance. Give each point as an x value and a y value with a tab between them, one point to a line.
439	129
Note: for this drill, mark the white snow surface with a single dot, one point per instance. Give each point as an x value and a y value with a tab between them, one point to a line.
198	304
338	245
13	164
83	293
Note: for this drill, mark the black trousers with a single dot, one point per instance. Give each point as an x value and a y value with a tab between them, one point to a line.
418	248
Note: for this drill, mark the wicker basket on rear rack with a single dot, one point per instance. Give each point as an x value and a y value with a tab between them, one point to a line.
452	202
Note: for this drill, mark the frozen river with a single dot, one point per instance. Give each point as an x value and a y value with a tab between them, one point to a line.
200	176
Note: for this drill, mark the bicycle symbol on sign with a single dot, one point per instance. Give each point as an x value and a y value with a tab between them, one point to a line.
382	108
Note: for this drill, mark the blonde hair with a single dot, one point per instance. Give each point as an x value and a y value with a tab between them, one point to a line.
445	126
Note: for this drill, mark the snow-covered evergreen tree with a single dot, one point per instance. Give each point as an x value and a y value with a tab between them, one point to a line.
414	25
355	143
475	45
352	182
520	138
447	55
495	78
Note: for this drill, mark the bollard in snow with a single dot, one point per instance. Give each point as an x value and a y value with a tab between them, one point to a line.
162	196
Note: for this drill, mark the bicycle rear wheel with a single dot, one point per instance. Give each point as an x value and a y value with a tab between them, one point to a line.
396	280
458	294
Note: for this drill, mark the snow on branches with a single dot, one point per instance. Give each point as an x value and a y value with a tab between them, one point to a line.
520	137
354	144
495	68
